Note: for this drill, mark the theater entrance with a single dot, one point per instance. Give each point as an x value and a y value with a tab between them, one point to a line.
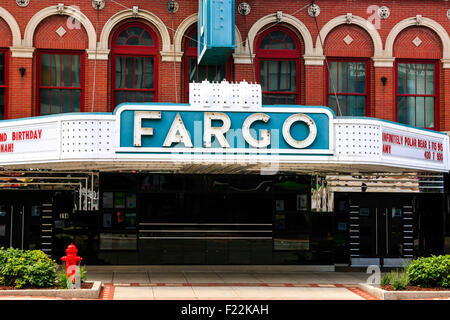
380	228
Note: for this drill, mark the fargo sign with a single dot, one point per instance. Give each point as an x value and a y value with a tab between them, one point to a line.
155	128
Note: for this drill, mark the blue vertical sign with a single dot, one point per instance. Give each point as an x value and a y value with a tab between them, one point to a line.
216	38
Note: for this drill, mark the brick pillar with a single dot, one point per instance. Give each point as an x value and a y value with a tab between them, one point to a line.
20	93
244	72
170	83
315	85
102	84
445	100
384	100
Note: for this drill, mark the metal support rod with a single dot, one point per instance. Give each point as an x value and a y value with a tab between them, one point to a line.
11	229
23	224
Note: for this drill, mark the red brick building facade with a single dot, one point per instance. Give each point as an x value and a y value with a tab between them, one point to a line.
412	41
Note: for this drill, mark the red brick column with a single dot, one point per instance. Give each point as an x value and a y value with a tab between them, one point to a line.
383	106
20	93
315	86
102	85
244	72
170	82
445	100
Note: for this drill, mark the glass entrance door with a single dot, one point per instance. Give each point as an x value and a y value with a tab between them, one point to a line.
380	232
19	225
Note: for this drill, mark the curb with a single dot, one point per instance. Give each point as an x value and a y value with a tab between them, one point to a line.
402	295
92	293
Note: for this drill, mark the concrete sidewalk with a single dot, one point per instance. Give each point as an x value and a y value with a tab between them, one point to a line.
230	285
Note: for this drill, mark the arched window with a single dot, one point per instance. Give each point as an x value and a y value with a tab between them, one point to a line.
134	54
278	61
196	73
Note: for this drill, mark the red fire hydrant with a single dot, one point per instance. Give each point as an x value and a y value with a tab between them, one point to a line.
71	259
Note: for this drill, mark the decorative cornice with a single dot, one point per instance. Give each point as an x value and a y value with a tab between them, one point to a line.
170	56
22	52
243	58
98	55
445	63
314	60
383	62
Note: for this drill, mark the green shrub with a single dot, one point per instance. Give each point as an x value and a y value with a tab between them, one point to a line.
400	281
26	268
397	279
430	272
386	280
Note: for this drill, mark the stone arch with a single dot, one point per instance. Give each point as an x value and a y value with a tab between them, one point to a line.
422	22
355	20
287	19
13	25
128	14
56	10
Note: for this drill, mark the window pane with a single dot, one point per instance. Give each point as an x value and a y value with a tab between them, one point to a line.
343	105
361	72
401	109
420	112
401	78
66	70
149	73
46	72
411	110
278	40
263	69
139	73
293	77
120	61
193	41
351	77
351	105
269	99
149	96
122	38
332	85
119	97
139	96
2	104
429	111
129	73
411	74
45	101
283	76
56	101
2	69
76	100
147	39
65	101
193	70
342	77
273	76
360	106
129	96
420	78
332	103
56	70
430	78
76	71
285	98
